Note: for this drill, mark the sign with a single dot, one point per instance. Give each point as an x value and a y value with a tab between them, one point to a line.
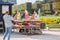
10	1
4	0
5	8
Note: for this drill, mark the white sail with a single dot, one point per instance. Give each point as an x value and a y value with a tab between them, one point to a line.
38	13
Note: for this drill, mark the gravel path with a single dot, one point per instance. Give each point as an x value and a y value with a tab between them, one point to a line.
47	35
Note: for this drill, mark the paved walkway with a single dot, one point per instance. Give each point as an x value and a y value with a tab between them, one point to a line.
47	35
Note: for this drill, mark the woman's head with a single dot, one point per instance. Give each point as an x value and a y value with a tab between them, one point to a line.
7	12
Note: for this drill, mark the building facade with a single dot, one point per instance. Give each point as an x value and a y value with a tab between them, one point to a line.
5	5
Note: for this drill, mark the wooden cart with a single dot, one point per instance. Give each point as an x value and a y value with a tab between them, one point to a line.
29	27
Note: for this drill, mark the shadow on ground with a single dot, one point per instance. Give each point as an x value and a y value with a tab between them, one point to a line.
44	36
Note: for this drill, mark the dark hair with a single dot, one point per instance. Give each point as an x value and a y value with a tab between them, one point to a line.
7	12
35	10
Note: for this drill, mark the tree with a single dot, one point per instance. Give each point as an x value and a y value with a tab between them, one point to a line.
46	1
56	0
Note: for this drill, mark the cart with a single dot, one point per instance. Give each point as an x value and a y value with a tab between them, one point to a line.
29	27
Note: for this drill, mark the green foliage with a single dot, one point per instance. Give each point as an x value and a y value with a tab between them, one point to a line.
45	7
56	6
46	1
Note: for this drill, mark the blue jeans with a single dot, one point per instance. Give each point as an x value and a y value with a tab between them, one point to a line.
7	33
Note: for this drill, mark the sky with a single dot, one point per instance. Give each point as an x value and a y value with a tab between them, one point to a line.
23	1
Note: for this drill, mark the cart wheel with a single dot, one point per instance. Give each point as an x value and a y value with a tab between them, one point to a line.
21	30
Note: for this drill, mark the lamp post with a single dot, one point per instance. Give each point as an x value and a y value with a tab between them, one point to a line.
51	7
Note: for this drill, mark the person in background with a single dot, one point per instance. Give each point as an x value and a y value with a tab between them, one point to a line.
34	16
8	25
22	15
19	15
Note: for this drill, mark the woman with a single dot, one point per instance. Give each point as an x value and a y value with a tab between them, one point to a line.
8	25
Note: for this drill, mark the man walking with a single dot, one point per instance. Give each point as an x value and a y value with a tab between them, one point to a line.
8	25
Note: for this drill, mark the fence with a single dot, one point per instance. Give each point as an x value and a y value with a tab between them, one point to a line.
53	25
